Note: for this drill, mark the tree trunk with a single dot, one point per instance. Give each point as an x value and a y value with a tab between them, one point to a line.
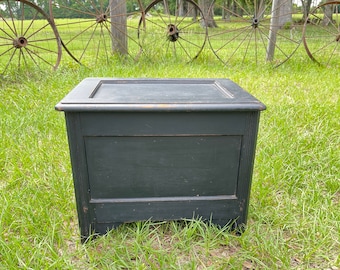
274	26
193	12
226	8
166	7
285	13
281	16
306	4
223	11
180	8
207	13
328	12
118	27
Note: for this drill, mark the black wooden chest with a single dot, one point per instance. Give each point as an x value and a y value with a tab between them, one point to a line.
160	149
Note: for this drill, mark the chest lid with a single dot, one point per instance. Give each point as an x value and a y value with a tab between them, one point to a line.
111	94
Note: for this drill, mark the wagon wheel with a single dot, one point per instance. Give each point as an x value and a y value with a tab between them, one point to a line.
254	32
28	38
172	32
92	31
321	34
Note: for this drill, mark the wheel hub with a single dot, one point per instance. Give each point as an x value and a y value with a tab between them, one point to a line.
255	22
20	42
173	33
101	18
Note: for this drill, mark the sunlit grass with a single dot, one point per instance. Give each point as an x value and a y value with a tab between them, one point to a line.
293	221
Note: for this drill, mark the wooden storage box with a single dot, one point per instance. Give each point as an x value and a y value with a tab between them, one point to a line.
160	149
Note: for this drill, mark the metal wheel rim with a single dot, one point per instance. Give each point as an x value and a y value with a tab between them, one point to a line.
29	39
164	36
90	37
327	50
249	42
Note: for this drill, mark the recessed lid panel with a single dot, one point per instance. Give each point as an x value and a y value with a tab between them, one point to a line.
142	91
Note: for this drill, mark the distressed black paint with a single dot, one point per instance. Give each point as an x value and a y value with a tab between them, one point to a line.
160	149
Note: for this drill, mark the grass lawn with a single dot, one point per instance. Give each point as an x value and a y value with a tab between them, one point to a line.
294	215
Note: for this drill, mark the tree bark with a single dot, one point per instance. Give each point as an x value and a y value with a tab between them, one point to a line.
226	8
274	26
328	12
306	4
181	11
207	13
281	15
166	7
285	12
118	26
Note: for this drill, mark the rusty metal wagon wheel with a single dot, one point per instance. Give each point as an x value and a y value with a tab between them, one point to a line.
254	32
174	32
28	38
321	34
92	31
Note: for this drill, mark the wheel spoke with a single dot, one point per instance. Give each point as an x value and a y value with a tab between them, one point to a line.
232	43
174	34
94	30
34	48
10	59
27	38
23	31
34	55
12	17
321	34
8	26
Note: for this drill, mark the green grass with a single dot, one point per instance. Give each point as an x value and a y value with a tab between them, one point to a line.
294	220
